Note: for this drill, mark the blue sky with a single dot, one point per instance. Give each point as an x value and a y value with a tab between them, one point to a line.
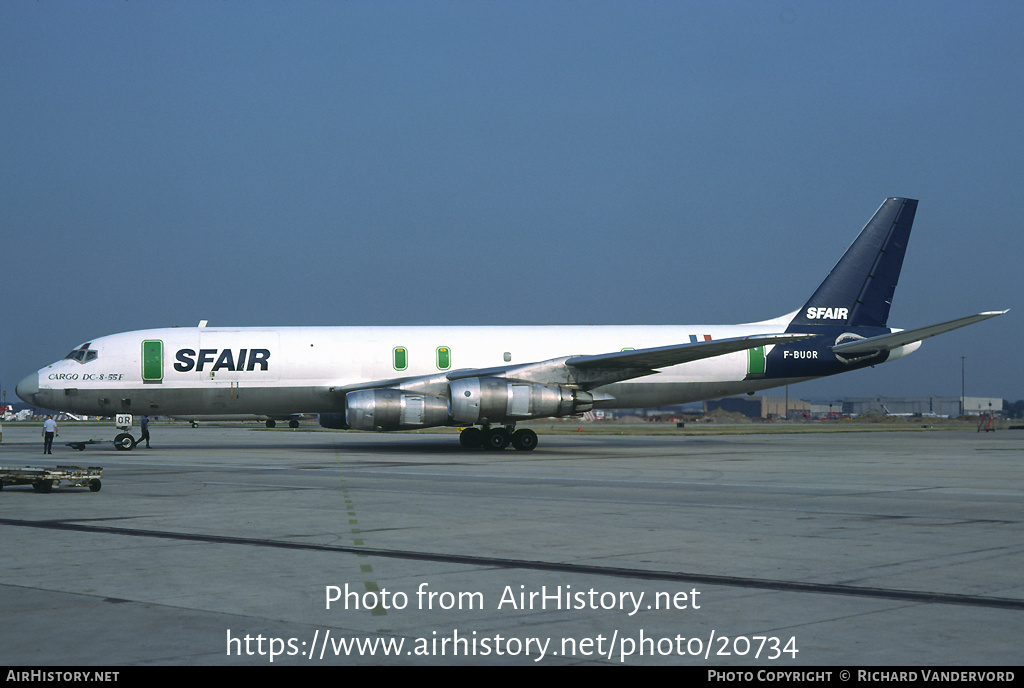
333	163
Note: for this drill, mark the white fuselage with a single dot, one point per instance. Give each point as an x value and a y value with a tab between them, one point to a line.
308	369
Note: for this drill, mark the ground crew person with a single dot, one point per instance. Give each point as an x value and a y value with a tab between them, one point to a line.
49	432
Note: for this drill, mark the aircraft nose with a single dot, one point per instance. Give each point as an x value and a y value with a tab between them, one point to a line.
28	388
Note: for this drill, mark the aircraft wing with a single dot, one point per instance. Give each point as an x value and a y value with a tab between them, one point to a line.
664	356
895	340
590	371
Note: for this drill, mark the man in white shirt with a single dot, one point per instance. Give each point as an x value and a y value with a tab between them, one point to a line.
49	432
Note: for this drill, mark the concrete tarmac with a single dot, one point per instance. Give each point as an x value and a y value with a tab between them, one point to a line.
246	546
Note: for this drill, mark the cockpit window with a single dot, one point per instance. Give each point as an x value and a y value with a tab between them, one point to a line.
83	354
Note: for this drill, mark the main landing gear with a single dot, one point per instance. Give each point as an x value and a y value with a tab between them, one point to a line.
498	438
292	423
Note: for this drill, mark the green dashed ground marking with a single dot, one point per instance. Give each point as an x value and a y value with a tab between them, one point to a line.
371	586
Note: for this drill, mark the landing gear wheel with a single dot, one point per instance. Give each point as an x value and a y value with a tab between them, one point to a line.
524	440
471	438
271	423
496	440
293	424
124	442
95	485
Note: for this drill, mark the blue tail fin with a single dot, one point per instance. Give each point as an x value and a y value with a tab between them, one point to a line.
859	290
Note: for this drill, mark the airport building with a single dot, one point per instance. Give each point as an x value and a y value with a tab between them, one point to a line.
780	407
760	407
931	405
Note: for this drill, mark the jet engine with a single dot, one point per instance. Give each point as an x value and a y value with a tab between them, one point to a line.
483	400
393	409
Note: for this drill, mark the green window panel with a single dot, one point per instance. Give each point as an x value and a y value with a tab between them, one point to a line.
400	357
444	358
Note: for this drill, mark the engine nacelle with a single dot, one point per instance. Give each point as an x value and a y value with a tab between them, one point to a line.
497	400
393	409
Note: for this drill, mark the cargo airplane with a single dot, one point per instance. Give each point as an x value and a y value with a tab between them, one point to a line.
486	379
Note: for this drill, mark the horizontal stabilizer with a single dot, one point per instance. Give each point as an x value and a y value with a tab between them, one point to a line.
887	342
664	356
